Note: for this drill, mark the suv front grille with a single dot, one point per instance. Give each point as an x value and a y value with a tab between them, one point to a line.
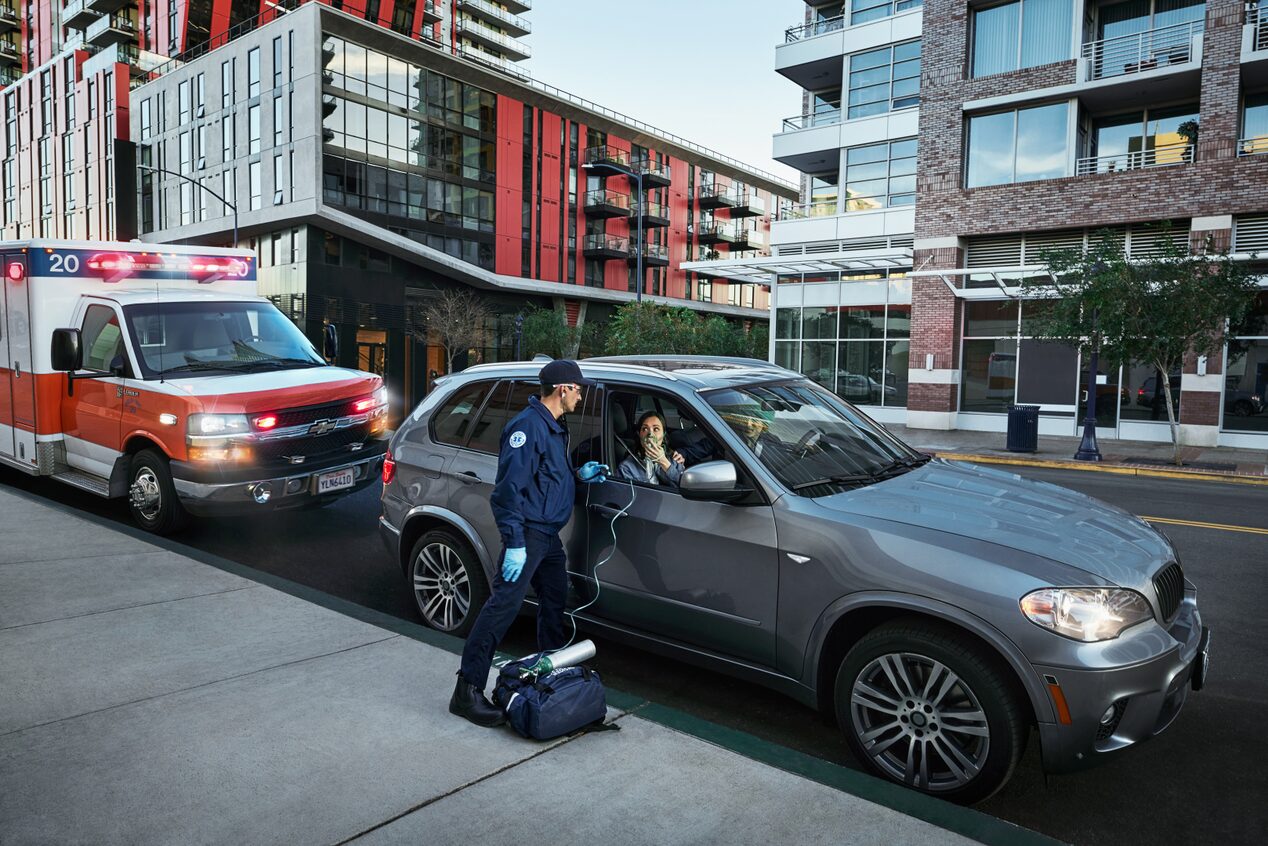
1169	587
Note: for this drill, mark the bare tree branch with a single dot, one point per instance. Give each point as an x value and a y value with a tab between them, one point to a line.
457	319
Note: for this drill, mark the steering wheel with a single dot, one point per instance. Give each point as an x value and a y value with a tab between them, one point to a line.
808	442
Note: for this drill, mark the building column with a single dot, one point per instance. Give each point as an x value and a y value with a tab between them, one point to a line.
933	375
1202	381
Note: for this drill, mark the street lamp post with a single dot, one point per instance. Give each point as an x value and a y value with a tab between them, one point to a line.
519	334
233	208
614	169
1088	449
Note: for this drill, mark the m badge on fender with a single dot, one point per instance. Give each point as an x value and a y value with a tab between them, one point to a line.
518	439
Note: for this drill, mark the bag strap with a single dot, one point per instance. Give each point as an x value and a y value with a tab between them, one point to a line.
597	726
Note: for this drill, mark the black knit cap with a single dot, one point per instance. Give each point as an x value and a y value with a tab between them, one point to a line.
563	372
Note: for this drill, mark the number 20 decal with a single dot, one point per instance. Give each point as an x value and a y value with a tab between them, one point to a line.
63	264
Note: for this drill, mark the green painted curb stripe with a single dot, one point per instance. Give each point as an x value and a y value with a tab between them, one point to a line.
1098	467
955	818
960	820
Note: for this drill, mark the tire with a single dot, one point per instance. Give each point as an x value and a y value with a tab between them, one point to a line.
913	739
447	582
152	494
1242	408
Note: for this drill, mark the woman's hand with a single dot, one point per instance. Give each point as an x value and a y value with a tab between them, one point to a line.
678	459
656	452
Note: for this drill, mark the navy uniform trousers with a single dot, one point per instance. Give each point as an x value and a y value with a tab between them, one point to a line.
546	570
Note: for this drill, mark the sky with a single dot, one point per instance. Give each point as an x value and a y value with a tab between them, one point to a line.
701	69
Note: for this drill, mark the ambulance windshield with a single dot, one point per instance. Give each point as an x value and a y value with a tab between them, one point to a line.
216	338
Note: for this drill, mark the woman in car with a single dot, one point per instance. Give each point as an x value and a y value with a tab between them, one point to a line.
651	464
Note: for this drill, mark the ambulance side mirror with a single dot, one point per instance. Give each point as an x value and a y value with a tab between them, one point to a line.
66	353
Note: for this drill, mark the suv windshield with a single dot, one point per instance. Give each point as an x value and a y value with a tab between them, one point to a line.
814	443
218	337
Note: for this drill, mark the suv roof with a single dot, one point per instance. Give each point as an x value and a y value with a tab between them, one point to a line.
698	371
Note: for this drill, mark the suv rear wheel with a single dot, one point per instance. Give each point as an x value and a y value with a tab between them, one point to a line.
922	705
448	584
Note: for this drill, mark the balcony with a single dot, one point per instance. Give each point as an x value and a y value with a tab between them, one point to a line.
9	19
799	122
715	196
654	175
512	24
8	76
496	42
606	247
1252	146
810	30
813	55
607	156
477	53
749	204
431	15
1162	156
1144	51
652	214
715	232
1256	37
105	7
602	203
111	29
9	52
654	255
803	211
518	7
748	238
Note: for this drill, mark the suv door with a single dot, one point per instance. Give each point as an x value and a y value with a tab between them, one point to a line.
704	573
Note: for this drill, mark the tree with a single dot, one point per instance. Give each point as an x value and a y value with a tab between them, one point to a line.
655	328
1156	308
456	319
545	331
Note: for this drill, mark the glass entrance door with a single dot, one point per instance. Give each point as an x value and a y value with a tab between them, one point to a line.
1108	395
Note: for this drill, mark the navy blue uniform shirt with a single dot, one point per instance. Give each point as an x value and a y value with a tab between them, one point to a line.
534	485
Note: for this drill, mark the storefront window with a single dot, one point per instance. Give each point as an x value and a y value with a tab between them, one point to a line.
1144	395
988	374
1246	372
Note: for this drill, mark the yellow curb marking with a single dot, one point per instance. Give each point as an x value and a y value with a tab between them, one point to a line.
1191	475
1223	527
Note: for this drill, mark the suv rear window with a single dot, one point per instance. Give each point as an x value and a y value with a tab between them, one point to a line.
453	422
507	401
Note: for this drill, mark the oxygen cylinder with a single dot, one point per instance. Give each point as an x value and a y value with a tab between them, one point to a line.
572	655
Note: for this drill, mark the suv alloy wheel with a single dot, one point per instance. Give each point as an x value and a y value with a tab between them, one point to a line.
448	585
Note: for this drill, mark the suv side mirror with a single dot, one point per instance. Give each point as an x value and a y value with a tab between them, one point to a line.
67	354
713	480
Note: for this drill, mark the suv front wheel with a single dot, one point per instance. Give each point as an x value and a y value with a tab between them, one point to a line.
921	705
448	585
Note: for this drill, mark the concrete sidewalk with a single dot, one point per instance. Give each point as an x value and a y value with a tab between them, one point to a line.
149	697
1139	458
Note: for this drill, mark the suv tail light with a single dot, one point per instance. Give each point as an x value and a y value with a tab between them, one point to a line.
389	468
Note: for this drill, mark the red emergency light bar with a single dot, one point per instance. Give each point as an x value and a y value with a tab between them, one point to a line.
120	265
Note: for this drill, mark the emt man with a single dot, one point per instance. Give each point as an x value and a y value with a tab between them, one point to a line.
532	501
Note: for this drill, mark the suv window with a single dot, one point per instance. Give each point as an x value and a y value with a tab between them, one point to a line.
453	422
507	401
102	337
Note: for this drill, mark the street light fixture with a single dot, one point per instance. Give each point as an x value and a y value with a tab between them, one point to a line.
1088	450
609	168
233	208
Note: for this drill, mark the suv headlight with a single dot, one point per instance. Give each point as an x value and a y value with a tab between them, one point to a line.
218	424
1086	614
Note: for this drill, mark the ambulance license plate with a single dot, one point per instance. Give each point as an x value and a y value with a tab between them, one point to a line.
336	480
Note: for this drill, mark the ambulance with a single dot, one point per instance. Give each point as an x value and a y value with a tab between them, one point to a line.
158	375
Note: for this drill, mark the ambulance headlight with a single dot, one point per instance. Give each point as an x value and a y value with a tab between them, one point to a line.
218	424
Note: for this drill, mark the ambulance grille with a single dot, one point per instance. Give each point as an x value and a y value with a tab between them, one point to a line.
312	447
313	413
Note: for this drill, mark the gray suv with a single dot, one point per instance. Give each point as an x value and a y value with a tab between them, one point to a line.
937	610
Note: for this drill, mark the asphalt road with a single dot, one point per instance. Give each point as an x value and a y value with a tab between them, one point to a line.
1203	780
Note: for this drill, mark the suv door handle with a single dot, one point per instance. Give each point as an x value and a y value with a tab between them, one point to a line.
608	510
468	477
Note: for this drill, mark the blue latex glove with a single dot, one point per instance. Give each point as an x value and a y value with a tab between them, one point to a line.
513	563
591	472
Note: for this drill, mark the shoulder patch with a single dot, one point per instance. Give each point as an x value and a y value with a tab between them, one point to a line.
517	439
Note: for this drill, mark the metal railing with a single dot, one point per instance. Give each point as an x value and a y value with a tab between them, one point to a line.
826	118
606	197
655	251
1141	51
606	154
498	14
1252	146
650	208
613	243
810	30
9	13
479	29
473	52
722	229
8	48
1258	23
801	211
1161	156
646	165
725	193
751	200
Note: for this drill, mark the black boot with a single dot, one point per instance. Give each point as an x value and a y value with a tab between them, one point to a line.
468	701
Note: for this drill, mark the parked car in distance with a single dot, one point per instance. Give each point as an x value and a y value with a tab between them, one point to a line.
940	612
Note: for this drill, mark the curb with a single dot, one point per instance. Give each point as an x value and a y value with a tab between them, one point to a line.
1096	467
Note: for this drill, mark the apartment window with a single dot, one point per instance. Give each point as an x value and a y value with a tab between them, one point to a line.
68	168
226	154
46	102
1018	146
862	11
200	95
200	147
1255	124
1022	34
186	154
1114	20
880	175
277	61
403	18
147	128
92	98
186	204
226	84
884	80
279	179
182	100
1142	138
228	188
253	175
824	189
253	129
253	73
279	122
68	77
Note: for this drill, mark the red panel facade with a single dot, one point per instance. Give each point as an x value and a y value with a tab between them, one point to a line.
508	219
550	196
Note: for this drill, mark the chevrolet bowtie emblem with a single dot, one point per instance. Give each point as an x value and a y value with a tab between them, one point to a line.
322	427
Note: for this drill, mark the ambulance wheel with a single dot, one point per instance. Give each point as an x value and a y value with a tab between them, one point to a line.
447	582
152	494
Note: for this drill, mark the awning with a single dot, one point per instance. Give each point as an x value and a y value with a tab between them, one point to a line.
763	270
993	283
